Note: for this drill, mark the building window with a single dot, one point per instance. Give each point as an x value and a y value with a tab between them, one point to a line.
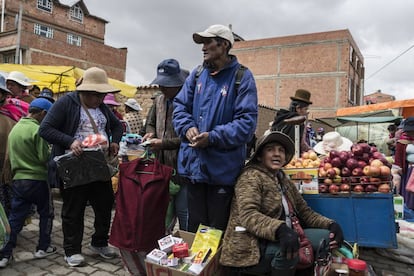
45	5
43	31
74	40
9	57
76	13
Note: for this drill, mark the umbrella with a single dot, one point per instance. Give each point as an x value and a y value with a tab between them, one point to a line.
60	78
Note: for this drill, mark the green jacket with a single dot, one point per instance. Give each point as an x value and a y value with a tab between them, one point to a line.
29	153
257	207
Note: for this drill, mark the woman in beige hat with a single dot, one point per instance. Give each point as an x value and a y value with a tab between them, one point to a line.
65	126
133	116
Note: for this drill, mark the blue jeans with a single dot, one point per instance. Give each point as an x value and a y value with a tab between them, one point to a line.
26	193
181	209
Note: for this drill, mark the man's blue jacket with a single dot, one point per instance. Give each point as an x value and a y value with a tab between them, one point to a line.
230	117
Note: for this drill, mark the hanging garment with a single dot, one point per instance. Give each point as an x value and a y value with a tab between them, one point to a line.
141	205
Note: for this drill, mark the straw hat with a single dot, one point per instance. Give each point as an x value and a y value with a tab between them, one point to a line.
95	80
332	141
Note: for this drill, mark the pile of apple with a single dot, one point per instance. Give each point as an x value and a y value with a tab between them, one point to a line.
308	159
362	169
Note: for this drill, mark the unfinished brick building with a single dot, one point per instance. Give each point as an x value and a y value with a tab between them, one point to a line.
329	64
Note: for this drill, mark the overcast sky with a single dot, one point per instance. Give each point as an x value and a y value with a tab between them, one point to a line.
154	30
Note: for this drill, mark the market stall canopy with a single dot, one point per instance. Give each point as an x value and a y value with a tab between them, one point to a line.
368	118
60	78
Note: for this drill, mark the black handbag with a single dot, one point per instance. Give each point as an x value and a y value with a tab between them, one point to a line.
86	168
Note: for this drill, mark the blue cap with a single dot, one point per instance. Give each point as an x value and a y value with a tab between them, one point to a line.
169	74
41	103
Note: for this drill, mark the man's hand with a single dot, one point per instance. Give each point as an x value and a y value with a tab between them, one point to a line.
156	144
336	235
147	136
191	133
200	141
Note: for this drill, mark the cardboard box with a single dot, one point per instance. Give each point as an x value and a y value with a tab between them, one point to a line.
211	268
307	178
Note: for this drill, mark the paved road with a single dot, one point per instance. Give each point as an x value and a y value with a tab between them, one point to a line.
25	264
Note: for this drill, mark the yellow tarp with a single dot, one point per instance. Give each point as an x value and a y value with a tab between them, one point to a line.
60	78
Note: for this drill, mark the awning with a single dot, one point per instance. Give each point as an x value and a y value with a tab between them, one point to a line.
368	118
60	78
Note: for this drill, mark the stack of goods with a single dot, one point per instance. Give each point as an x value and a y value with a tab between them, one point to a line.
363	169
303	171
175	252
131	147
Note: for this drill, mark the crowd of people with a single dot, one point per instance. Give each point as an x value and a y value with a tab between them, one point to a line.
202	125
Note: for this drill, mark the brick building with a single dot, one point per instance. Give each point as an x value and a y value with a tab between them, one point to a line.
51	32
378	97
329	64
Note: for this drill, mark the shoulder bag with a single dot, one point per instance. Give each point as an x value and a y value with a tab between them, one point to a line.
306	256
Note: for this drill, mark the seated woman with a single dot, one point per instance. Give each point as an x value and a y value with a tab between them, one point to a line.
259	239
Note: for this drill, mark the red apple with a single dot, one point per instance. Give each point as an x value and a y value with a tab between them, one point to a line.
323	188
333	188
357	171
336	162
345	187
384	188
365	157
345	171
333	154
362	164
374	149
358	188
343	155
377	155
351	163
331	173
375	180
371	188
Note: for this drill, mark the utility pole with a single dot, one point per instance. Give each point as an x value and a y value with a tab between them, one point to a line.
19	30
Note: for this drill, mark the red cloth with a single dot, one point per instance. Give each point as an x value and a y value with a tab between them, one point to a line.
141	204
14	109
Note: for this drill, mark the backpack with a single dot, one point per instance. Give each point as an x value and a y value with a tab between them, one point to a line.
239	75
4	228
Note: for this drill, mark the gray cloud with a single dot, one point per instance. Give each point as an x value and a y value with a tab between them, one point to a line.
159	29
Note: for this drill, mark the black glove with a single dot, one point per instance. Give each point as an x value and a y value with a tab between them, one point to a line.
336	233
288	239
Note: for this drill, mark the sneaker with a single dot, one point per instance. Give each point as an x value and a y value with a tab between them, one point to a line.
42	253
75	260
104	251
5	261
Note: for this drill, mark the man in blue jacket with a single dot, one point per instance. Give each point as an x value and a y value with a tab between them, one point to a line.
215	119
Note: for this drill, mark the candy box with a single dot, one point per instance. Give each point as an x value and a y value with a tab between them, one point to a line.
210	268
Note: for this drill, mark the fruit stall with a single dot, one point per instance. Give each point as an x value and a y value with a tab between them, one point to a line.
352	187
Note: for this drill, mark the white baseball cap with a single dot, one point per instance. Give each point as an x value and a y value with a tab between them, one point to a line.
214	31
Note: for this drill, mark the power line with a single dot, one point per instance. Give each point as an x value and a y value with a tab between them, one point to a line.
394	59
